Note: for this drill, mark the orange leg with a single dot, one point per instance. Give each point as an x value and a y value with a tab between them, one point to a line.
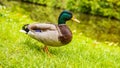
45	49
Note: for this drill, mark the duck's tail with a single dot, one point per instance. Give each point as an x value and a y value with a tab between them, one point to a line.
25	29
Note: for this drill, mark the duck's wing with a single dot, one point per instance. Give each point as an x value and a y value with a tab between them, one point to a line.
48	34
41	26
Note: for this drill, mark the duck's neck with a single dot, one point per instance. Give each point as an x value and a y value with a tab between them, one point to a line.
61	22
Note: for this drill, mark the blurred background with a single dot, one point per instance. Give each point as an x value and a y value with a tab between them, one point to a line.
100	19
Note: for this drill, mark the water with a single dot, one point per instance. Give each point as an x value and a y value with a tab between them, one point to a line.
94	27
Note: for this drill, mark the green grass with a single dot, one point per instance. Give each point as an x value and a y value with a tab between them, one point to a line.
18	50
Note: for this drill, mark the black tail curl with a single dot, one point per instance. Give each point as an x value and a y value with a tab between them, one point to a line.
25	28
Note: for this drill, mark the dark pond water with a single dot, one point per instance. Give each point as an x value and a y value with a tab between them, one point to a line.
95	27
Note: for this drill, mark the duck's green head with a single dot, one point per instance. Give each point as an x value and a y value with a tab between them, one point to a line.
65	16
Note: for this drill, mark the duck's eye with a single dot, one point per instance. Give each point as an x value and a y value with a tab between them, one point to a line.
68	18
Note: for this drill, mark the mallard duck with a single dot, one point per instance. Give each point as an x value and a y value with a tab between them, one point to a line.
51	34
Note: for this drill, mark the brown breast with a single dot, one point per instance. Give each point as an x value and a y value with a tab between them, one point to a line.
66	34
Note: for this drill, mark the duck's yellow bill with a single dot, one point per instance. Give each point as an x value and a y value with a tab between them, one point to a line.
76	20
